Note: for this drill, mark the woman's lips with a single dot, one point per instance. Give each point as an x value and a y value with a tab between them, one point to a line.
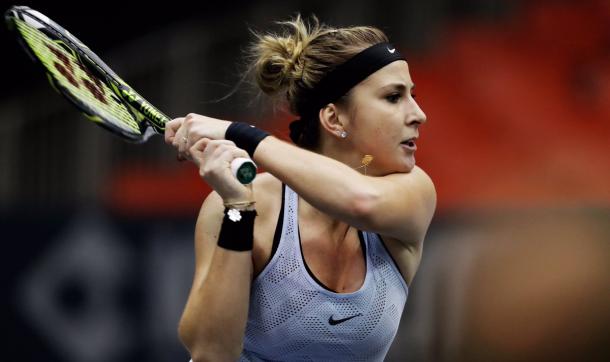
409	145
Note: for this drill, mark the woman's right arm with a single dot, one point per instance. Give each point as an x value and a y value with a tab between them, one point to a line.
214	319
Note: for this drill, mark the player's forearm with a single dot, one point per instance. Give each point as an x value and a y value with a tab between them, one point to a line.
327	184
213	324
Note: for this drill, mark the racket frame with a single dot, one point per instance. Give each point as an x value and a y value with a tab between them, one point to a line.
149	119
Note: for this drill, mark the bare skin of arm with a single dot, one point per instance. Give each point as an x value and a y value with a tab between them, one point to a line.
398	205
220	292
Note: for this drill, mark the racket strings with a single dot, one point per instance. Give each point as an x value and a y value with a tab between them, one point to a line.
74	77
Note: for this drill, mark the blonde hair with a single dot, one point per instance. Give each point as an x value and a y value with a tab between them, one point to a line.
288	64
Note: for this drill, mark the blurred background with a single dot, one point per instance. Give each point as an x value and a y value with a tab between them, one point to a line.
98	254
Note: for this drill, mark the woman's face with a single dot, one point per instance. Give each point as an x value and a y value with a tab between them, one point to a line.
383	116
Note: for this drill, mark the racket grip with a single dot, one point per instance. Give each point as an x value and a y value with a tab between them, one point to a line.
244	170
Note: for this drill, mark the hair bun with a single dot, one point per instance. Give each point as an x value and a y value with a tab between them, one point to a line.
279	57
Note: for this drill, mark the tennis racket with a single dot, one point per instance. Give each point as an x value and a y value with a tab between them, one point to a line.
89	84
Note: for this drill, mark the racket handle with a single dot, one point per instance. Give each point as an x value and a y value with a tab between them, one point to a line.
244	170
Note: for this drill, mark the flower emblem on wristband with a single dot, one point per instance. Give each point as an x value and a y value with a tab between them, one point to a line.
234	215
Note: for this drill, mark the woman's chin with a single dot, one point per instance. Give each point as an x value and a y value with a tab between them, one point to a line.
409	163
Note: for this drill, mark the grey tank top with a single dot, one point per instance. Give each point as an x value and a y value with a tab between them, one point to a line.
292	317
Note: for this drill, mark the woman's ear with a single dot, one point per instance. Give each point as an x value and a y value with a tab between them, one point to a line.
330	120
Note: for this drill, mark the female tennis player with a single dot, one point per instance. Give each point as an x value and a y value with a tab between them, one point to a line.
313	260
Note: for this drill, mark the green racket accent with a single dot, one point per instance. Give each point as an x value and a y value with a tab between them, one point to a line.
246	173
69	72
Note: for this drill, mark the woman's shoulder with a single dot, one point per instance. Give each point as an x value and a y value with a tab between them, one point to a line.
417	178
417	174
425	181
417	181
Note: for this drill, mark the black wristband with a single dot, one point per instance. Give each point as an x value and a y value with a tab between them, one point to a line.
237	235
245	136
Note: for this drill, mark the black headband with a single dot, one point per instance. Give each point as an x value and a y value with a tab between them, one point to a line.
345	76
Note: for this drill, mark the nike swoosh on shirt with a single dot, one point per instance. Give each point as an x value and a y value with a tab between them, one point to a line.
333	322
392	50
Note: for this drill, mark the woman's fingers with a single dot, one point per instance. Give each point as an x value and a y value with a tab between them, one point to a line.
174	135
213	158
178	133
207	152
205	147
191	144
171	128
197	150
183	132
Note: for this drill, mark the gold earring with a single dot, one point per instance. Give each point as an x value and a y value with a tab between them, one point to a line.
366	160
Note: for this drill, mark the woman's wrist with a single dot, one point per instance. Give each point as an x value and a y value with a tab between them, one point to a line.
245	136
240	205
237	230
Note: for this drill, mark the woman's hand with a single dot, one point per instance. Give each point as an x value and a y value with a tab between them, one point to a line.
201	139
213	158
184	132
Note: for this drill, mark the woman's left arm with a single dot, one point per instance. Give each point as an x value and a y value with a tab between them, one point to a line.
399	205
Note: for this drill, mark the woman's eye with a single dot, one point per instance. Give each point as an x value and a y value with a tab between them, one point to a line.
393	98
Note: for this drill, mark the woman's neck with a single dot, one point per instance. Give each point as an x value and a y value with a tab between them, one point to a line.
335	229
